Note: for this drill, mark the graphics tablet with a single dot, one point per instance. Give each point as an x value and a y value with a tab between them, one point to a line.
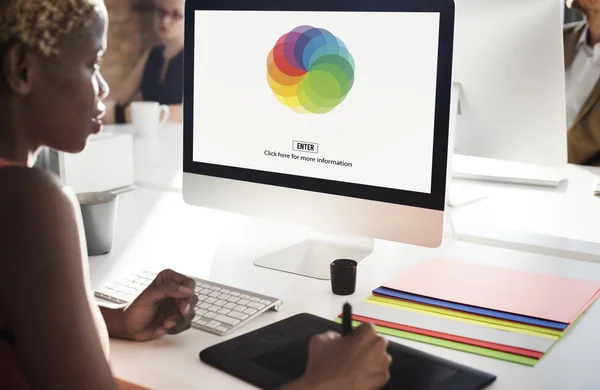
275	355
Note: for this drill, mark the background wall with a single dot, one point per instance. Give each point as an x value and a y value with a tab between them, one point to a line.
130	33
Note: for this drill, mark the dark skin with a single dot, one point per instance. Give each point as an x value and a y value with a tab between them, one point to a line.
57	102
591	10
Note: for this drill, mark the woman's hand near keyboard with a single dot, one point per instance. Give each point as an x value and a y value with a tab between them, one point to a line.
358	361
165	307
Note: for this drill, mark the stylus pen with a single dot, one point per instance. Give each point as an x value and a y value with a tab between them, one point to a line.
347	319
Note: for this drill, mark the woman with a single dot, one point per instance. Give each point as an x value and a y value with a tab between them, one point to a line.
158	75
52	332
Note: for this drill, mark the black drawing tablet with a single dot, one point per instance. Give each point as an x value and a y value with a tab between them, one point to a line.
273	356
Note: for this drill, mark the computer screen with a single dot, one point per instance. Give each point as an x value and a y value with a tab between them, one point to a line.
328	116
341	96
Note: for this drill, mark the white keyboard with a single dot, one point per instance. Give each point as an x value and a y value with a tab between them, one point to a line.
220	309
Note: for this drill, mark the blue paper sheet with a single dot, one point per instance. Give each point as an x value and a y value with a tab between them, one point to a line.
470	309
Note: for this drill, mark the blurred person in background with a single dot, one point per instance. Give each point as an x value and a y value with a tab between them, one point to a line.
158	75
582	74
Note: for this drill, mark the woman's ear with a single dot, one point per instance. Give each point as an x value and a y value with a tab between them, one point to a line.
18	69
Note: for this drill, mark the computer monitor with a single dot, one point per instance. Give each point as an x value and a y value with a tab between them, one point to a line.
328	114
509	62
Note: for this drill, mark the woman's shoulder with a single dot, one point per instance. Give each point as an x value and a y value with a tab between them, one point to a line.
38	224
31	196
30	185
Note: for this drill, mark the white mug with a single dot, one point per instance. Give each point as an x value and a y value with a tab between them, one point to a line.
146	117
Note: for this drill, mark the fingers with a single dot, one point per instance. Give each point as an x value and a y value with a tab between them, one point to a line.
177	278
179	322
180	327
381	360
170	284
331	335
318	341
160	331
364	336
187	307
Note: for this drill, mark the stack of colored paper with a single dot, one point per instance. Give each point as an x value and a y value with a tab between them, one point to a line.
496	312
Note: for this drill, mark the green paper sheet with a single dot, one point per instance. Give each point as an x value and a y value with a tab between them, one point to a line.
536	330
509	357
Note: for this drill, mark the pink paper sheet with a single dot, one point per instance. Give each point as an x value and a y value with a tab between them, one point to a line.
541	296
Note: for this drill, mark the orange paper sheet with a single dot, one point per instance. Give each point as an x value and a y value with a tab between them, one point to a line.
541	296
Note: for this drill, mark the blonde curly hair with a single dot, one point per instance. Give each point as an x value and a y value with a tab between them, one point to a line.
42	24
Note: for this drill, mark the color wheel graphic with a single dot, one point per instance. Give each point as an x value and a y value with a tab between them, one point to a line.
310	70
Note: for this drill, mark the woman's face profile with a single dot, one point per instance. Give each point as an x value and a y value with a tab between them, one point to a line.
66	100
168	19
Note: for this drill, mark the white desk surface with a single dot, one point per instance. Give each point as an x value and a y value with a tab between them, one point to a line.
157	230
563	221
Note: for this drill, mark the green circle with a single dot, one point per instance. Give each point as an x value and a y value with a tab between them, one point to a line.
340	67
319	91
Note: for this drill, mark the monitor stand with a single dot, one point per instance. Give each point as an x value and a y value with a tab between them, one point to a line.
457	195
312	256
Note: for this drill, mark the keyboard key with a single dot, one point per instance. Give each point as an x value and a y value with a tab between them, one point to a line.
254	299
210	315
221	329
206	291
220	303
205	285
243	302
214	294
238	315
234	293
229	306
224	296
250	311
223	311
200	322
225	291
215	288
266	303
240	308
244	296
197	289
210	300
227	320
204	305
214	308
202	297
213	324
201	312
255	305
233	299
